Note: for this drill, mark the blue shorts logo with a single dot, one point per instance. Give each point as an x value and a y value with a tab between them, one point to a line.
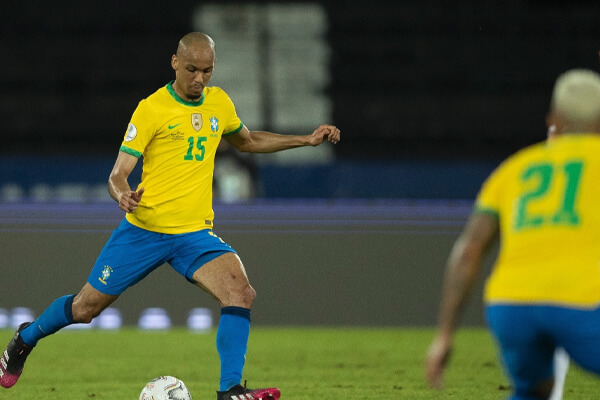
105	274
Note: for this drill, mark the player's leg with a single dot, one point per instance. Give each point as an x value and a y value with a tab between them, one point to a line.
62	312
210	263
225	279
89	303
527	354
120	264
128	256
58	315
66	310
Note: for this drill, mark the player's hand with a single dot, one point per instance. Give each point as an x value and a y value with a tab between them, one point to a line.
322	133
437	356
129	200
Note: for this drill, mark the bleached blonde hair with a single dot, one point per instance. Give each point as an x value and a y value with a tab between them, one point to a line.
576	96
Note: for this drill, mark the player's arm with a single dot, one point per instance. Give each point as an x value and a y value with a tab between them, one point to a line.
118	187
269	142
462	267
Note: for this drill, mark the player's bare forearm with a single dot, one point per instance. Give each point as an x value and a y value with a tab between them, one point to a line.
461	272
118	186
463	266
119	189
269	142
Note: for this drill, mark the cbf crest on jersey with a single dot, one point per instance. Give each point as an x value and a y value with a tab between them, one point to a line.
214	123
197	121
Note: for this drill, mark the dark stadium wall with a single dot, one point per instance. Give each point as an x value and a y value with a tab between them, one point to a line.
434	79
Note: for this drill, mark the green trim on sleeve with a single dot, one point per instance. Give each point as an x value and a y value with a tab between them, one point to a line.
239	128
486	210
133	152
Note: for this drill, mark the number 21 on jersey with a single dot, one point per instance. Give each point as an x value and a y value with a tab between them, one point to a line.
544	177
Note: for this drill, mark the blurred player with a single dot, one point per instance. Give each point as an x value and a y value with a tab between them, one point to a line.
544	290
169	216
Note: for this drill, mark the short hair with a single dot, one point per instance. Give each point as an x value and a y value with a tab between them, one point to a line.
576	96
194	38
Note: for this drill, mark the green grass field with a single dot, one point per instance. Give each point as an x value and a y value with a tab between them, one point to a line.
306	364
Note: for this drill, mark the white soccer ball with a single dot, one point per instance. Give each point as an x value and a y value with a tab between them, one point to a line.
165	388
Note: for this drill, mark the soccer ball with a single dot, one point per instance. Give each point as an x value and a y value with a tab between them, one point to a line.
165	388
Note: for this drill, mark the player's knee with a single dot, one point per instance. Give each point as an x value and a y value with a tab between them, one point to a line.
243	297
85	313
247	296
250	295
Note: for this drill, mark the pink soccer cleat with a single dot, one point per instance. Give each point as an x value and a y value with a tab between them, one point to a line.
240	392
13	359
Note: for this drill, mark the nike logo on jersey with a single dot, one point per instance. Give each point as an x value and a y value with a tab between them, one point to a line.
174	126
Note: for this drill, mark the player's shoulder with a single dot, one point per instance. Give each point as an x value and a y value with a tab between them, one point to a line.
215	92
556	149
157	97
217	97
528	152
587	142
505	172
214	89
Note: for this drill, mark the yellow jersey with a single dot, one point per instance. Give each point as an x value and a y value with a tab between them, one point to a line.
547	199
178	141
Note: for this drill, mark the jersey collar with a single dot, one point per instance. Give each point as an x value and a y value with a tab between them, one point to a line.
182	101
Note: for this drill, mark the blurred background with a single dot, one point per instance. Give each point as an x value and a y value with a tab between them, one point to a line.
430	96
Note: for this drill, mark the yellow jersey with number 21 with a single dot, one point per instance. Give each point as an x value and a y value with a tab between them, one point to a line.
547	199
178	141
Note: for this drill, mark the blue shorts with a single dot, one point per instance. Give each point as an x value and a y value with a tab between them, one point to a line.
132	253
528	335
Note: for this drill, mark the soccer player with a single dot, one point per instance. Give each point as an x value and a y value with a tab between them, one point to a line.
169	217
544	290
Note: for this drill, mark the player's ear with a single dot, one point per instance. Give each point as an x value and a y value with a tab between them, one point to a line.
556	124
552	120
551	125
174	62
549	120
